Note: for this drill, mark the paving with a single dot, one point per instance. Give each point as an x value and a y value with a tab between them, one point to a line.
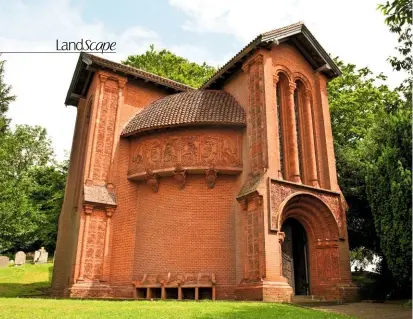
369	310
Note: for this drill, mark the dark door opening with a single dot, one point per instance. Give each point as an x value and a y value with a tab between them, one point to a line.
295	258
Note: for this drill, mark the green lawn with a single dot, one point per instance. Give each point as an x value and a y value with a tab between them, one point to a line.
26	280
34	280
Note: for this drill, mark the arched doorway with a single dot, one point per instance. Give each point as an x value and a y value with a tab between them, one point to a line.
315	245
295	256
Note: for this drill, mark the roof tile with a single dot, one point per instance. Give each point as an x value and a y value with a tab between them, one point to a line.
188	108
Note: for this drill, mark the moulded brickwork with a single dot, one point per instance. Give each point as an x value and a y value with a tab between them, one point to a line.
180	211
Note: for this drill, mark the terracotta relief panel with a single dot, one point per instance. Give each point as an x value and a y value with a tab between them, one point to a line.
106	128
280	191
189	148
95	246
256	114
254	241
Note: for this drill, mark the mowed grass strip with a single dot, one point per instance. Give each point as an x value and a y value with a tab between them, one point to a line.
54	308
34	280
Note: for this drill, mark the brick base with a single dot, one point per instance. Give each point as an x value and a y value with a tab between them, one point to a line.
90	290
264	291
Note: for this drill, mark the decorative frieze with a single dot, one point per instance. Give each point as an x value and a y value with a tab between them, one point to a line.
188	149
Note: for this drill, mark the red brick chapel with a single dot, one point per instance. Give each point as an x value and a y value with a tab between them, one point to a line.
224	192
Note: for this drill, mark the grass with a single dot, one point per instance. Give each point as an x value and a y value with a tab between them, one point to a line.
24	281
34	280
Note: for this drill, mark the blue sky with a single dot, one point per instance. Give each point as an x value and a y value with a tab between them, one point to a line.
200	30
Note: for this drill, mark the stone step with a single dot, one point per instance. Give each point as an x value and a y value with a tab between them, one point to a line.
311	301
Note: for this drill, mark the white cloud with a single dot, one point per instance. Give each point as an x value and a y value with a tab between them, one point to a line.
353	29
41	81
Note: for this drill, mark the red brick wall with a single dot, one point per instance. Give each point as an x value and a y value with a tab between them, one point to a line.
137	95
189	230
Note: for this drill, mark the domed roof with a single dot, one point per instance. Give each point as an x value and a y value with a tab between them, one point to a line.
198	107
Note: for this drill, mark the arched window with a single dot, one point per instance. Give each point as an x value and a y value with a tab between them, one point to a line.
305	134
282	96
298	109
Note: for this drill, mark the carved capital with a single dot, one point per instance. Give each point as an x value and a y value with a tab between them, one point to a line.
152	180
244	204
275	79
88	209
256	59
211	176
103	78
110	211
258	201
308	95
291	87
121	84
281	237
180	176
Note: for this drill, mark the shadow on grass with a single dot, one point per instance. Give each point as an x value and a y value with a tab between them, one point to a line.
50	275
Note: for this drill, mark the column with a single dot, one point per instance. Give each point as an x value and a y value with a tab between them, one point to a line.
87	211
293	160
105	265
308	124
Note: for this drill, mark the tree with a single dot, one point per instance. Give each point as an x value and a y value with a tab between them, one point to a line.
47	197
171	66
388	151
399	19
355	100
21	151
372	140
5	99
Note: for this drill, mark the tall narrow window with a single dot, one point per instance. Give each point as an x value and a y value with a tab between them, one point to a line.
298	127
280	127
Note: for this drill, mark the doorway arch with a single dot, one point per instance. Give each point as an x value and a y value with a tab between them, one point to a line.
320	253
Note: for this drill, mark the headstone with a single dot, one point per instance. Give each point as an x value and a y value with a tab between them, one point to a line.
20	258
4	261
40	256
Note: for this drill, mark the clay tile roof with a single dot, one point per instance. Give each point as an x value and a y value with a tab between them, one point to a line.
137	72
296	34
200	107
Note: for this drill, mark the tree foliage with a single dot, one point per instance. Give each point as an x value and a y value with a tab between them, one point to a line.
171	66
399	19
21	150
5	99
355	99
372	140
31	183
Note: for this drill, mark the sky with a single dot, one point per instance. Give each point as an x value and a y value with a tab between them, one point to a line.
199	30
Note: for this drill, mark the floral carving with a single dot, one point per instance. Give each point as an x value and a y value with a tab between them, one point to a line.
201	149
152	180
211	176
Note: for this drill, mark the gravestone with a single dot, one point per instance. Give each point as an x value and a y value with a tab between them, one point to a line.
40	256
20	258
4	261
